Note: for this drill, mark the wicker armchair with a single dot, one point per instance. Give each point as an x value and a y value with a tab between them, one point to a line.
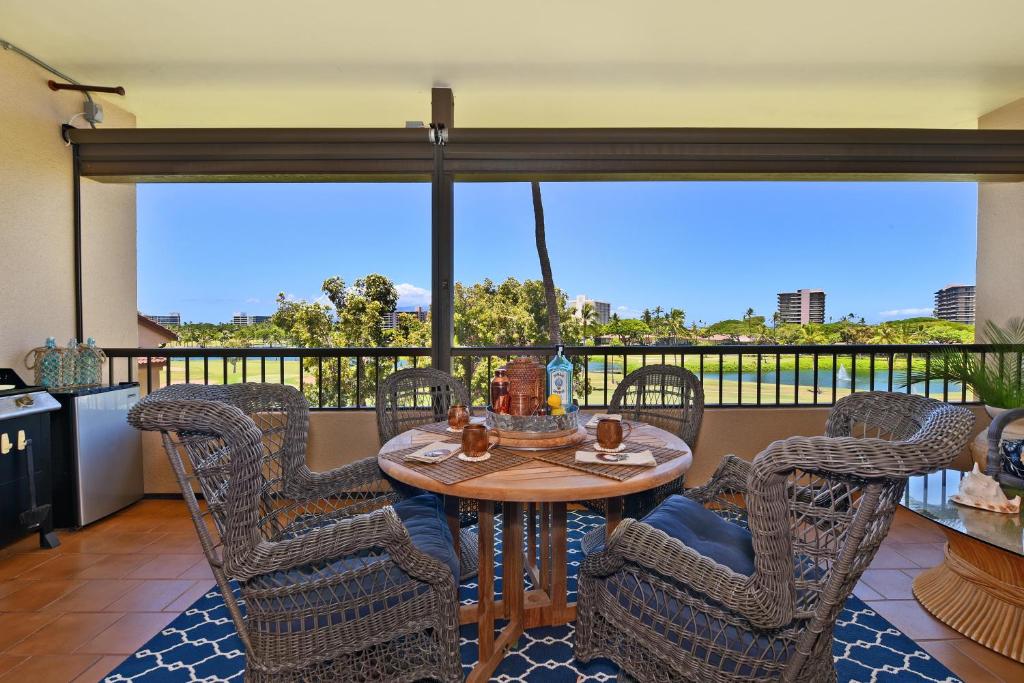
417	396
665	396
687	595
341	579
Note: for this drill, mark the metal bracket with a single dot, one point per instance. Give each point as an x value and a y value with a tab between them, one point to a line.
438	134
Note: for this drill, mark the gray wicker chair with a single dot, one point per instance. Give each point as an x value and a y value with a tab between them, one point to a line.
687	595
341	579
668	397
417	396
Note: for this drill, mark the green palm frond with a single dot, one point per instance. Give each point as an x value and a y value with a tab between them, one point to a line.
995	378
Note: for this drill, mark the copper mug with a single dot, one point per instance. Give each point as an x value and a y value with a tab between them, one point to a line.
475	440
609	433
523	404
458	417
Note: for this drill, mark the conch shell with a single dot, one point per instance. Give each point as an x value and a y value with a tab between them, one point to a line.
982	491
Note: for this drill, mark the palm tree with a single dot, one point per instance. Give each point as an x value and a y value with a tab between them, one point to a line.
588	316
748	317
550	296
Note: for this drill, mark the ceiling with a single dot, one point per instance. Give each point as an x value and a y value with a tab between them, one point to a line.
885	63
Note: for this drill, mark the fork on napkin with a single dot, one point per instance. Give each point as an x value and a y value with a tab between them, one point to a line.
437	451
638	459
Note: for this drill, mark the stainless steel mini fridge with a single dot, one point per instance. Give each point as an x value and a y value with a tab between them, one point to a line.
97	455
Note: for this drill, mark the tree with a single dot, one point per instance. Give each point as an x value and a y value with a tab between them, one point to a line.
747	317
588	316
632	331
646	316
554	323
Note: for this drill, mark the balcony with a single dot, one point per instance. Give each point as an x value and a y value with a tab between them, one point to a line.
663	94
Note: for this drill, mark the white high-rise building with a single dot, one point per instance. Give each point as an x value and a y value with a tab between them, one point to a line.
956	303
602	309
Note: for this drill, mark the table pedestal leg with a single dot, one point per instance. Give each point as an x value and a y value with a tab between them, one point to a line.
492	650
613	516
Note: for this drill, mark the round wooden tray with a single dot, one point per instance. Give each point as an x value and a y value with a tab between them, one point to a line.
539	441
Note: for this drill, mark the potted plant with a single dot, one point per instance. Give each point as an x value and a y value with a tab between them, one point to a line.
995	379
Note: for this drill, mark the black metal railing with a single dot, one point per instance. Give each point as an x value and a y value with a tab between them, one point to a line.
732	375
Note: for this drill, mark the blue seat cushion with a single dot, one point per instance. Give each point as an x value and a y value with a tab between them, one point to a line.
726	543
424	519
705	532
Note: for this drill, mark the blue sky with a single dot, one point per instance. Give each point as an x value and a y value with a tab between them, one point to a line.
879	250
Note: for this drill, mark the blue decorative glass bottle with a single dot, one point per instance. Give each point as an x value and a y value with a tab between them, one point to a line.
49	364
560	377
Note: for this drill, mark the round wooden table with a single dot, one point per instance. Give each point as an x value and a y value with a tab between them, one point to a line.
544	490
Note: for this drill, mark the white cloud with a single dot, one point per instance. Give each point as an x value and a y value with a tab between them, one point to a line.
252	300
411	295
897	312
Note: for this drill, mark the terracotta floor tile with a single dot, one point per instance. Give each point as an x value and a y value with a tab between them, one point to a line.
909	617
892	584
165	566
67	566
151	595
921	554
113	567
16	626
50	668
65	634
958	662
180	543
185	600
98	671
1007	669
19	563
887	558
8	662
866	592
200	570
11	585
90	541
37	594
93	595
128	633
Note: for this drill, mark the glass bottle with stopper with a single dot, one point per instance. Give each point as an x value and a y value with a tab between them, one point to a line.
560	379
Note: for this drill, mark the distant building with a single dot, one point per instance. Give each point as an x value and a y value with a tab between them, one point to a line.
602	309
244	319
802	307
169	320
955	303
389	321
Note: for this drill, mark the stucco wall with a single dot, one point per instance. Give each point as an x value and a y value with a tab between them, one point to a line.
339	438
37	296
1000	293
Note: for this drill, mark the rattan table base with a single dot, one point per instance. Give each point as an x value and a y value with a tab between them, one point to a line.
978	590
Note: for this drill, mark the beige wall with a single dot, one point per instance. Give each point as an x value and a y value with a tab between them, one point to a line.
1001	234
337	438
37	295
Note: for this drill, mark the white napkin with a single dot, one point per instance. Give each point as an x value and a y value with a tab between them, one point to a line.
639	459
603	416
421	454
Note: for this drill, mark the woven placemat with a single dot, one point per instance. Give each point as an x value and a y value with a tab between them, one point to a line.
440	428
566	457
453	470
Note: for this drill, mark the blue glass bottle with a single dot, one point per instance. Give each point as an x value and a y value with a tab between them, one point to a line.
49	365
560	377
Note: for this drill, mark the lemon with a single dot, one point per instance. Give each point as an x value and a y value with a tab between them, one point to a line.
555	401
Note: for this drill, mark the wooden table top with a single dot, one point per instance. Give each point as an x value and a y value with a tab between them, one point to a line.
541	482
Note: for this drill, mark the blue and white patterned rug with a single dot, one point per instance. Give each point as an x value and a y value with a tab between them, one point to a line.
201	645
